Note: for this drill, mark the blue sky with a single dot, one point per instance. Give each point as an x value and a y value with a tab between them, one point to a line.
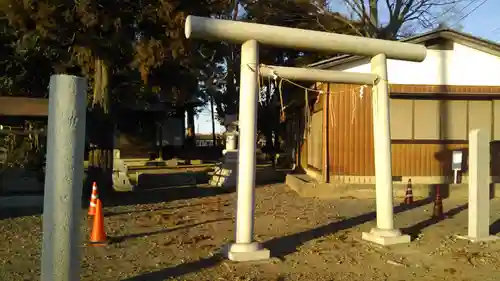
483	22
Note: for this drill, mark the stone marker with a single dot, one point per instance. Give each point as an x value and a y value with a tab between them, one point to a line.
479	187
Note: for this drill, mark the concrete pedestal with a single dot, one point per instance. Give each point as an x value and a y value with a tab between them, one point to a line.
121	181
226	174
242	252
231	141
386	237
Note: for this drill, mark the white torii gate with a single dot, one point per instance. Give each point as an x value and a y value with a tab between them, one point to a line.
250	35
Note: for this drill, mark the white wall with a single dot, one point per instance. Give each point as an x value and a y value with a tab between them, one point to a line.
461	66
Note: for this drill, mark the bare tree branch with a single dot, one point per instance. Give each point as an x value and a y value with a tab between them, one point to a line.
422	13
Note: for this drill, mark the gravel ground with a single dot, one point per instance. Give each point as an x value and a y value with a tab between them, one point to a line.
310	239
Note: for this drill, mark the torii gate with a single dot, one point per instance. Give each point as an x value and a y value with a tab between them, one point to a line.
250	35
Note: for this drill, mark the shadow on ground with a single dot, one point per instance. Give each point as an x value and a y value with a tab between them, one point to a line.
6	213
119	239
161	188
178	270
157	188
416	229
172	179
159	195
286	245
113	213
495	227
279	247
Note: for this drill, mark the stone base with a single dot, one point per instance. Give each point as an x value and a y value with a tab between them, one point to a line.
246	252
480	239
225	175
386	237
121	182
230	157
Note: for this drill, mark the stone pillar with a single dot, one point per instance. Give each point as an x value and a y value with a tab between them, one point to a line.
384	233
245	249
63	178
479	187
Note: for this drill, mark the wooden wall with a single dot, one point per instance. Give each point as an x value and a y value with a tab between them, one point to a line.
351	150
315	140
350	131
22	106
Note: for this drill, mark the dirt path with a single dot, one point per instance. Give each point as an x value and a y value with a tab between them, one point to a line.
310	239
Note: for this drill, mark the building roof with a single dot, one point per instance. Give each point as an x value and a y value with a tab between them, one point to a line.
39	107
158	104
22	106
463	38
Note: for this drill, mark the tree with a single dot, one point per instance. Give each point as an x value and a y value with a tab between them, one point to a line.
404	17
103	38
221	76
22	64
84	37
168	61
126	49
224	84
288	13
296	14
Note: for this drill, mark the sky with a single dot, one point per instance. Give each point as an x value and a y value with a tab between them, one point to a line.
481	20
484	22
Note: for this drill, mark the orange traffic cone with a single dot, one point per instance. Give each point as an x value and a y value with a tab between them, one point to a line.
409	193
93	199
98	235
438	205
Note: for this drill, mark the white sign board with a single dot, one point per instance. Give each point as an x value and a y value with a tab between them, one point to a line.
456	160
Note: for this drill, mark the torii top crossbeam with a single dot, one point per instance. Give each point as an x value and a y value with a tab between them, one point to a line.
300	39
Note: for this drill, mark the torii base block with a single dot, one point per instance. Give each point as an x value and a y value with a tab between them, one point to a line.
386	237
242	252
